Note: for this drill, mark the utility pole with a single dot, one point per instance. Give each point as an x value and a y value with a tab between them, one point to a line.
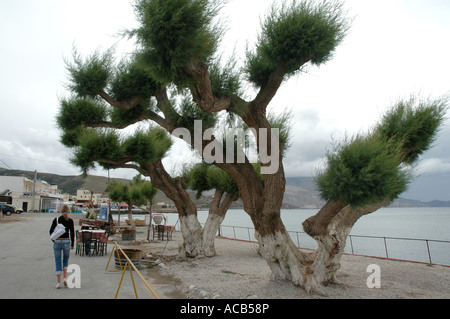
110	218
34	191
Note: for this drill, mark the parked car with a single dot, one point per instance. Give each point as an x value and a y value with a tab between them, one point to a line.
16	209
7	209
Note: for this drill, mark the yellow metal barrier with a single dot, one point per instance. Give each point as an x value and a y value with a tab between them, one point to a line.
129	264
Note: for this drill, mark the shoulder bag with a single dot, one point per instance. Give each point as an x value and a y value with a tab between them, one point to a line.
58	231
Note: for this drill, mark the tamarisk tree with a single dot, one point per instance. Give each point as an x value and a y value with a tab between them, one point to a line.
368	172
91	127
175	79
178	40
203	177
137	192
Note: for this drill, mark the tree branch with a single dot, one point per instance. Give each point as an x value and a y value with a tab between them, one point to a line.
123	164
318	224
172	187
130	104
163	101
215	203
273	83
202	92
269	89
150	115
228	200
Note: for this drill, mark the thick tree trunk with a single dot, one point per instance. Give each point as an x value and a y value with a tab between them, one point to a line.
284	259
217	212
209	233
263	204
197	242
330	227
191	229
130	216
311	271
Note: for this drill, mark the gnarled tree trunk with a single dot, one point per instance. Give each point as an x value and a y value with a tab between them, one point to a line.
130	216
191	229
263	204
330	227
284	259
197	242
217	212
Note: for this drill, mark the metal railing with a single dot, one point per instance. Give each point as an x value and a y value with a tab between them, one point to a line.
397	249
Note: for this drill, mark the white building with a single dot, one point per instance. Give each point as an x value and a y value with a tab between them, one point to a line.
16	184
30	196
84	196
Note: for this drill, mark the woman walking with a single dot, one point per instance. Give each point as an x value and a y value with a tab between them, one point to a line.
63	245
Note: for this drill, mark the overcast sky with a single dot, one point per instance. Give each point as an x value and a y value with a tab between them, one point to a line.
395	48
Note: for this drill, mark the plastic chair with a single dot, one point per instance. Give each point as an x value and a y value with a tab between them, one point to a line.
107	228
89	244
102	247
159	227
78	243
159	231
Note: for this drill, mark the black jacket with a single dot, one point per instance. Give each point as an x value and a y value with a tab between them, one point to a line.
69	228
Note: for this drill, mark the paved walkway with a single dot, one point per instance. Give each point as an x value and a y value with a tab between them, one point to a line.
27	267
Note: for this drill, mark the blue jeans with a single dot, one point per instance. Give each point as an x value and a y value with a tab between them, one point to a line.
61	248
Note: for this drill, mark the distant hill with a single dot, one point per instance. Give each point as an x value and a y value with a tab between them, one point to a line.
300	192
402	202
70	184
67	184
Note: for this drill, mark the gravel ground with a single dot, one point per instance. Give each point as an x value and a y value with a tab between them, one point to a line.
238	272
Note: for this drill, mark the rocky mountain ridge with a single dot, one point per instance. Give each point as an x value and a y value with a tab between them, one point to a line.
300	191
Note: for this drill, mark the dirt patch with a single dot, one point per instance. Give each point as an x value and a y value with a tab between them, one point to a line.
171	286
12	218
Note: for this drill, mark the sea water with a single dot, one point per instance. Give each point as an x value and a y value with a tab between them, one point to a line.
418	234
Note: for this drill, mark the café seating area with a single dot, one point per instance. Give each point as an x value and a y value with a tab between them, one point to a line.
163	232
91	242
92	239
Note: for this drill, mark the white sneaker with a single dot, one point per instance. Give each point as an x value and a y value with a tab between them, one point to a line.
58	285
65	282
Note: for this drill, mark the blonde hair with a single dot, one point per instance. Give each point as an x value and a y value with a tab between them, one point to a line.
65	210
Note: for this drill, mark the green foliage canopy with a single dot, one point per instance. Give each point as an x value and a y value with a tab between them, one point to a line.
414	123
175	35
89	76
204	177
363	170
187	112
174	38
131	80
295	34
138	191
378	166
110	150
95	145
75	112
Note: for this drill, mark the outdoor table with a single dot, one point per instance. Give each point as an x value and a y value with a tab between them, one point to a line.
162	230
88	227
96	234
100	235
